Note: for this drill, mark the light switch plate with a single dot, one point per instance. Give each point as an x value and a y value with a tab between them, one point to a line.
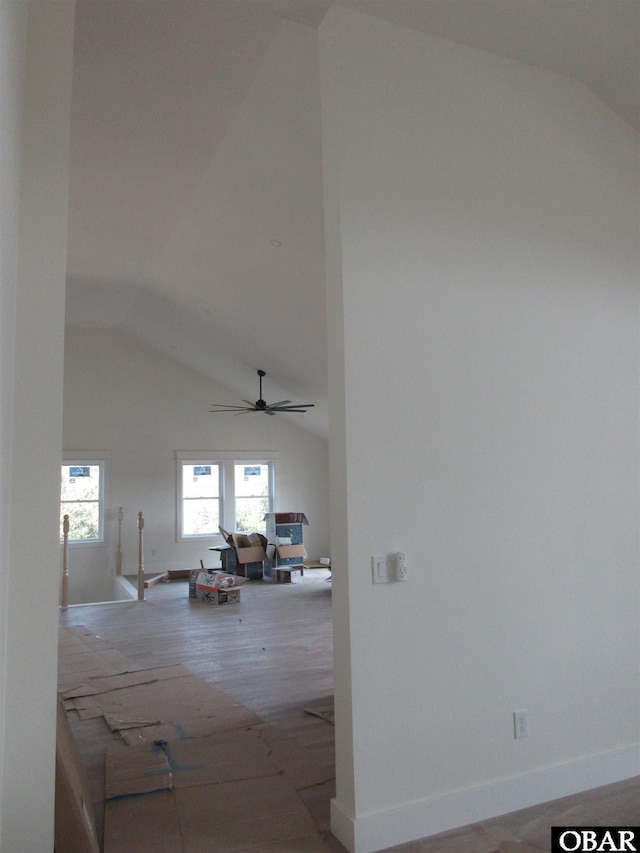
380	570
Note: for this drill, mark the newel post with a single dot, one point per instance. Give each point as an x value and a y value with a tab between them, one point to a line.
119	552
65	561
140	558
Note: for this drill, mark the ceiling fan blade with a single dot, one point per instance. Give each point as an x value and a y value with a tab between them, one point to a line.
261	405
292	408
296	406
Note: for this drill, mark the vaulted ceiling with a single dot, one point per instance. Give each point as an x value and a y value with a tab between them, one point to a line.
195	208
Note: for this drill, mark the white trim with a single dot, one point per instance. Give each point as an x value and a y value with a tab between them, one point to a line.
227	488
203	460
223	455
423	818
98	458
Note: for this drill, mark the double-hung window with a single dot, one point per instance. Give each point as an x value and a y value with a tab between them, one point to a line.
82	499
229	490
201	498
252	492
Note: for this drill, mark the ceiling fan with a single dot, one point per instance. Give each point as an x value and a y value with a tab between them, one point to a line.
261	405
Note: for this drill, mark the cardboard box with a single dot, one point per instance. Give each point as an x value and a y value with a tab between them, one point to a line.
287	524
214	586
285	535
286	518
230	564
244	553
291	552
250	571
249	553
287	574
249	546
231	595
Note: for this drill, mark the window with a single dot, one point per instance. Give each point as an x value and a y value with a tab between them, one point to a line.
201	499
253	499
230	490
82	499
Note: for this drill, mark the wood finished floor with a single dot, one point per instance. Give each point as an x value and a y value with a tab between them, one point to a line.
273	653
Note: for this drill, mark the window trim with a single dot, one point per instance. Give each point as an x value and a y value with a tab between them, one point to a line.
230	472
226	459
99	459
180	499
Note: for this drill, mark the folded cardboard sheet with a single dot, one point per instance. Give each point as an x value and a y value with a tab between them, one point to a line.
190	789
260	815
75	826
224	796
166	700
98	684
82	655
193	769
286	755
133	773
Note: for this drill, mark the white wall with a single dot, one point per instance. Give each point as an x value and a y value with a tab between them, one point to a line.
140	406
483	271
36	50
13	25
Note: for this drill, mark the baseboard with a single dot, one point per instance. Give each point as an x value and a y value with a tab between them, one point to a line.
402	824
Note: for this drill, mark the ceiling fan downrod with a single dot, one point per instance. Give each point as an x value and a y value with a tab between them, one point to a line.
260	403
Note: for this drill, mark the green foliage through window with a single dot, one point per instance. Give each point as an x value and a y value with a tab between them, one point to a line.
252	496
232	494
80	499
200	499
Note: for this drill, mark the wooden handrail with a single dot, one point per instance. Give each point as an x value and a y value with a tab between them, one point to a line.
140	558
65	561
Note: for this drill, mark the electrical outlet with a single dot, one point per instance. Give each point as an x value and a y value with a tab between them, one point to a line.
520	724
380	570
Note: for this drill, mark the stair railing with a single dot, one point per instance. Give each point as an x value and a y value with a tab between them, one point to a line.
140	558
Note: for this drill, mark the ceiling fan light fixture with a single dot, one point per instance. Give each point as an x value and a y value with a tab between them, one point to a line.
261	405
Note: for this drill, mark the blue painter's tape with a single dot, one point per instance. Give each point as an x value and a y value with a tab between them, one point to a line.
163	746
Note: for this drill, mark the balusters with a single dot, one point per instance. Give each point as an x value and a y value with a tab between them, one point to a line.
65	561
65	556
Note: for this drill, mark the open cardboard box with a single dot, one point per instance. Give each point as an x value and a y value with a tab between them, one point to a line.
275	520
291	552
250	547
286	518
216	587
